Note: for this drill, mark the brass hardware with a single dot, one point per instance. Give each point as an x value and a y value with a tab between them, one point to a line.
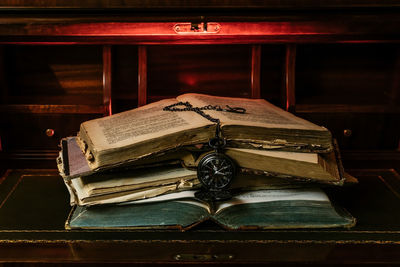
203	257
196	28
50	132
347	132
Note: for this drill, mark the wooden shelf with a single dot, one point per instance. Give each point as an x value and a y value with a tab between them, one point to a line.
343	108
46	109
67	6
298	28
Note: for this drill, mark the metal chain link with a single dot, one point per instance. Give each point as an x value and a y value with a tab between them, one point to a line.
218	141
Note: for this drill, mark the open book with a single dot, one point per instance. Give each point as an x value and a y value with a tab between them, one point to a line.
263	209
321	168
134	134
137	184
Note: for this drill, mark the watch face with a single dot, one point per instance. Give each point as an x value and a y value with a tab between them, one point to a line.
216	171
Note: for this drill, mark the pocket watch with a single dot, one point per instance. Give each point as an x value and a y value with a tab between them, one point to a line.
215	172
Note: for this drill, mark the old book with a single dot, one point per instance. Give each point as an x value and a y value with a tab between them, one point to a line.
127	185
136	184
263	209
72	162
134	134
312	167
316	167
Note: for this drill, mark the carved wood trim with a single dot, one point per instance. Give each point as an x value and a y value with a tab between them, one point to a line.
142	75
290	77
255	71
107	79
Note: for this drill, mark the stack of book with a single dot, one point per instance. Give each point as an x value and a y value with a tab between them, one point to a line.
137	169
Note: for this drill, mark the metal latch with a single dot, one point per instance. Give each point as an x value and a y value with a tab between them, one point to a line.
203	27
204	257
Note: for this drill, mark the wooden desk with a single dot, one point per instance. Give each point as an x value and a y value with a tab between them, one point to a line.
334	64
34	207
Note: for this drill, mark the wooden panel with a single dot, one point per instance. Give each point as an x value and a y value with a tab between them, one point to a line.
107	80
216	70
28	131
349	108
125	78
203	4
54	75
367	131
255	71
290	76
252	29
361	74
272	73
142	75
42	109
3	78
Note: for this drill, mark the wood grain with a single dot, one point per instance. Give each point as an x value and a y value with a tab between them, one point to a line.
24	5
290	78
125	78
54	75
142	75
43	240
255	71
107	80
375	27
211	69
53	109
352	74
28	131
273	73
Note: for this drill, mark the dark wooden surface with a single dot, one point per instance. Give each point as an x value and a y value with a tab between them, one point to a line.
335	63
34	206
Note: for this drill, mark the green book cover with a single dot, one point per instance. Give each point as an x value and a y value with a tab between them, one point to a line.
262	209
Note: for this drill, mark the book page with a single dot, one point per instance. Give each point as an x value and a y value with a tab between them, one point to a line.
259	112
144	123
297	156
311	194
136	178
186	197
189	194
128	196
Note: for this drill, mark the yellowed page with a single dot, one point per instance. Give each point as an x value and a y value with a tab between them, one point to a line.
298	156
137	125
167	197
137	179
152	192
259	112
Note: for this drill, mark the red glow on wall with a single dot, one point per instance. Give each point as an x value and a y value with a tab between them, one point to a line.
188	80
